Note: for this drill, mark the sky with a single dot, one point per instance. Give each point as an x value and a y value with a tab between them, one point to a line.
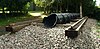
98	2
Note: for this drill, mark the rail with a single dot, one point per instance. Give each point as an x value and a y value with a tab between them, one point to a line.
73	30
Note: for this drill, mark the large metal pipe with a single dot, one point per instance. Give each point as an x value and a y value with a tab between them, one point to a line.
59	18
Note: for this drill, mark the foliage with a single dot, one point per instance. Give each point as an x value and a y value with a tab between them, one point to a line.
14	5
3	4
67	5
88	7
43	3
51	5
96	14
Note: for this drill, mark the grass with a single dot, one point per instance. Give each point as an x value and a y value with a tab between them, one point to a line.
98	26
98	22
19	18
13	19
98	36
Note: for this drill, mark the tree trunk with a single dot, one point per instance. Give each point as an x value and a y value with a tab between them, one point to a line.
3	11
60	9
57	10
10	11
44	9
81	8
68	5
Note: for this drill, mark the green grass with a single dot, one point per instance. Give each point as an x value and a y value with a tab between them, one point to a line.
98	26
13	19
98	22
98	36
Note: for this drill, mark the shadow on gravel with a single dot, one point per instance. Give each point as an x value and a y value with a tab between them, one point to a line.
2	31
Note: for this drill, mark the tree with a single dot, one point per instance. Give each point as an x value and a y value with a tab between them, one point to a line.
88	7
17	5
44	3
71	6
14	5
3	5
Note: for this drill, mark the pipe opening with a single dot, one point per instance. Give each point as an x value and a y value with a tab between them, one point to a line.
51	20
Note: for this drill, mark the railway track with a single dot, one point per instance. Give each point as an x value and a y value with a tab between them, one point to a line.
73	30
14	27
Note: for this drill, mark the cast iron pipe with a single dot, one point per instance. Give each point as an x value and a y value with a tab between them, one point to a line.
59	18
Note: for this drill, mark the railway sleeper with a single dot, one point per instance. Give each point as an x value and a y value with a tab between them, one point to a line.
72	33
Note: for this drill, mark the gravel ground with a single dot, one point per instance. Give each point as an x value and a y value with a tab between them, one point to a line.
39	37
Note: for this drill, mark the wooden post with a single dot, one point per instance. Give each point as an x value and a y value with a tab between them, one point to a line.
81	9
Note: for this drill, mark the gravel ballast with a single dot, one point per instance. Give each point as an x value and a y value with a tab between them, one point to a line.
39	37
